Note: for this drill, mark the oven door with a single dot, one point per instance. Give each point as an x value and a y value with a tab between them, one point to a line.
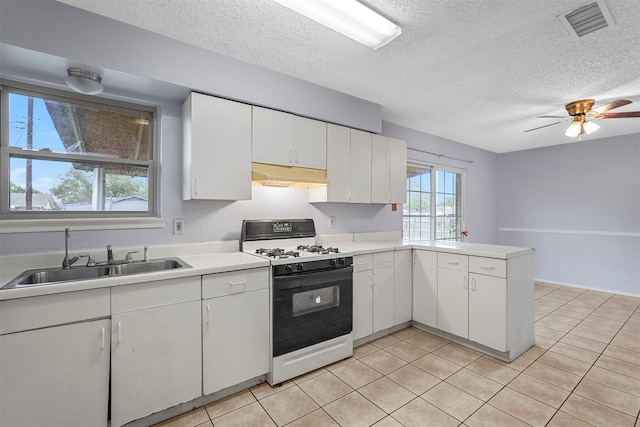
309	308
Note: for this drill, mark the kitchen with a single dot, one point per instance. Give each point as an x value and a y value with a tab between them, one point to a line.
499	211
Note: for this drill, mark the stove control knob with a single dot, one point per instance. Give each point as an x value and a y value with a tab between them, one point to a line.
341	261
332	262
299	266
288	268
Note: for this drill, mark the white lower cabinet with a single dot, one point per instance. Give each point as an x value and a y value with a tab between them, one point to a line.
57	376
403	286
488	311
453	302
235	328
54	360
373	293
156	347
425	287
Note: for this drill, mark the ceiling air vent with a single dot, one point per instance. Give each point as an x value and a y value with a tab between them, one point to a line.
587	19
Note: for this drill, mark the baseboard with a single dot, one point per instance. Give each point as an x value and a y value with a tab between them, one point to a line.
590	288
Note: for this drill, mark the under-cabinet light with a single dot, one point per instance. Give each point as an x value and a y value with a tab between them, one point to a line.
348	17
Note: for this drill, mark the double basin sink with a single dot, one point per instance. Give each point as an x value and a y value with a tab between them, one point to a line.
49	276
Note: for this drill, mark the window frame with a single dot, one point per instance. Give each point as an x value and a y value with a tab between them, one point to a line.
434	169
8	217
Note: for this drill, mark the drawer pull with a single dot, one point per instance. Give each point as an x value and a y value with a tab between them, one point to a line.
241	282
102	336
453	262
488	267
362	263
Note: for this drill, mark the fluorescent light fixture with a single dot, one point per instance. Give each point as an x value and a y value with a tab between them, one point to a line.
84	81
348	17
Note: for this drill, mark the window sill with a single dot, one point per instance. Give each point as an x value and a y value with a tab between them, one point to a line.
41	225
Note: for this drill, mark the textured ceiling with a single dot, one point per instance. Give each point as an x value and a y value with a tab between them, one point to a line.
473	71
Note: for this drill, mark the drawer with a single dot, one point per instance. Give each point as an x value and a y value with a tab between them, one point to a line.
488	266
362	262
233	282
48	310
144	295
383	259
453	261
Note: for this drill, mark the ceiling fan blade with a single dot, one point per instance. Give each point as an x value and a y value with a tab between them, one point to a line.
546	126
610	106
551	117
617	115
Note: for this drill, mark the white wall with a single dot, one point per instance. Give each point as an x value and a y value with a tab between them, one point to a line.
578	204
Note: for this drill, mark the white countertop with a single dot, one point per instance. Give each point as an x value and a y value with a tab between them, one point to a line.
218	257
474	249
206	263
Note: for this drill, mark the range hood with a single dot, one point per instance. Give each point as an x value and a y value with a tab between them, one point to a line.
287	176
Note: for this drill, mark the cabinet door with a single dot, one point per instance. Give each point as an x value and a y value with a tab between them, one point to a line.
360	167
55	376
156	360
217	149
402	286
235	339
397	171
488	311
272	140
453	302
338	163
309	143
425	287
362	304
383	298
379	169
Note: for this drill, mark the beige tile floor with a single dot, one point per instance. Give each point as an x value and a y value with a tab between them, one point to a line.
583	371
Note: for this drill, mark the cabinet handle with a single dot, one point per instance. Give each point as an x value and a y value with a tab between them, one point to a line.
488	267
296	151
377	278
361	263
119	331
102	337
473	284
453	262
347	194
196	185
290	156
208	314
465	282
241	282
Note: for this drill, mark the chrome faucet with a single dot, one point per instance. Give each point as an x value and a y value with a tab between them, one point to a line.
67	262
109	254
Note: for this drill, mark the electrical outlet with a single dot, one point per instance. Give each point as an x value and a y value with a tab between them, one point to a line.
332	222
178	226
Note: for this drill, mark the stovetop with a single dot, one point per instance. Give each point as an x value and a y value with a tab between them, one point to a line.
285	241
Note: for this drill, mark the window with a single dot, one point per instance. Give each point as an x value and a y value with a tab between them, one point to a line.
66	157
434	204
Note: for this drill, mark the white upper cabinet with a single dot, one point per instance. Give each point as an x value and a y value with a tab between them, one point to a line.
348	167
216	149
388	170
285	139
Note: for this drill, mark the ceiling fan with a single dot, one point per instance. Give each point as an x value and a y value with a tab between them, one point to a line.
579	111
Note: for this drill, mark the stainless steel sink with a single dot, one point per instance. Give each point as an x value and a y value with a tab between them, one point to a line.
47	276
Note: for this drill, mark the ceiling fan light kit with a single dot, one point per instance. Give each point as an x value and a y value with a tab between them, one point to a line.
582	109
348	17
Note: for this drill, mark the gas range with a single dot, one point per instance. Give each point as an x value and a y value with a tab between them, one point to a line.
285	241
